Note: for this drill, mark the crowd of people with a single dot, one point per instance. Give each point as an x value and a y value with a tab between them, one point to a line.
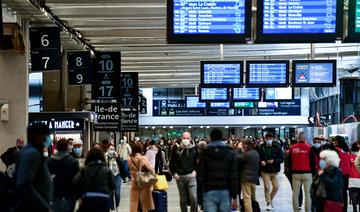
215	175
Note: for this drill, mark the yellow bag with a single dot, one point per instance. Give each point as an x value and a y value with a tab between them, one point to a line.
161	184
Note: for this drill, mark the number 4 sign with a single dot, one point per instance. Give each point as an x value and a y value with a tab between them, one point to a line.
79	68
45	49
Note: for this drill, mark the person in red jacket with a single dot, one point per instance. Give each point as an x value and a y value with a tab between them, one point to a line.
342	149
354	180
316	149
301	165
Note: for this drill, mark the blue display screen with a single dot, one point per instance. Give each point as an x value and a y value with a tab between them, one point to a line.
209	16
214	94
314	73
274	94
222	74
193	102
246	94
299	16
220	105
267	73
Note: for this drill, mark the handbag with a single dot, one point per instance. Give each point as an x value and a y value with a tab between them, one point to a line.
332	206
161	183
144	178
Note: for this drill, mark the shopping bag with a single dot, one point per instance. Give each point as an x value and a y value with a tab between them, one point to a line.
161	184
332	206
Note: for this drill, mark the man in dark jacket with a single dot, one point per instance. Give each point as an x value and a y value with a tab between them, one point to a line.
33	178
9	157
218	173
249	162
64	168
182	166
271	157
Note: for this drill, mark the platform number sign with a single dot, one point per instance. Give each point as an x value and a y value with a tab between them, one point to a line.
129	102
79	68
106	76
45	49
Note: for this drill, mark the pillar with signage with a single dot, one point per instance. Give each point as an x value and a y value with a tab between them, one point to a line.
129	102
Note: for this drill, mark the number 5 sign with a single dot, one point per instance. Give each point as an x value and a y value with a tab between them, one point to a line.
79	68
45	49
106	76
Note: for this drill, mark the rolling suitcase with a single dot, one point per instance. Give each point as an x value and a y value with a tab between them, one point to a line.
160	201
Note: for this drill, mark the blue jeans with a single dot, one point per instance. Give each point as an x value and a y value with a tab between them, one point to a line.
217	201
118	181
63	205
126	168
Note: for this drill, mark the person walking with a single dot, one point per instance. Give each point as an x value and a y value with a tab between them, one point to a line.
354	180
151	152
217	172
64	168
182	166
271	157
138	162
249	161
124	151
32	176
78	152
301	164
96	182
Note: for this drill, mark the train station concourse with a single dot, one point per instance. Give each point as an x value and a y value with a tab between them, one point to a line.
179	105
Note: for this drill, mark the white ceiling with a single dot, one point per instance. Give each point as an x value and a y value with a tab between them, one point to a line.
137	28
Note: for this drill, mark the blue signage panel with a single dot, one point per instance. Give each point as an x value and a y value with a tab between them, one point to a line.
314	73
214	94
299	17
209	17
193	102
267	73
246	94
220	105
221	73
292	108
278	94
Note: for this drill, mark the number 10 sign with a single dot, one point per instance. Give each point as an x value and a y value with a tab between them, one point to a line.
106	76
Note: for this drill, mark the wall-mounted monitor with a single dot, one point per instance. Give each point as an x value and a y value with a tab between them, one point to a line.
278	94
193	102
208	21
214	94
246	94
314	73
300	21
222	73
267	73
353	22
268	105
220	105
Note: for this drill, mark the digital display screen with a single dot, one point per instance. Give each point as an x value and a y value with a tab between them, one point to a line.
268	105
209	16
244	104
193	102
246	94
357	16
299	16
222	74
220	105
314	73
214	94
267	73
274	94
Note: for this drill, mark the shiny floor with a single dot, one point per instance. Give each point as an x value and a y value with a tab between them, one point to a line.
282	200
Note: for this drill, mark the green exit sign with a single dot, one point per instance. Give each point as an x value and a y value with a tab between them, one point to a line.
244	104
357	16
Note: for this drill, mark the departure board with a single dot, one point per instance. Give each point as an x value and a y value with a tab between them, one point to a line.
221	73
357	16
353	34
220	105
278	94
246	94
214	94
314	73
269	73
193	102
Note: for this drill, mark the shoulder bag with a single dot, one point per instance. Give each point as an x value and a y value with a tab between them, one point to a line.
143	178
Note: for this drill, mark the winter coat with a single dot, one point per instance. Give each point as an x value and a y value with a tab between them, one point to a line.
249	167
273	152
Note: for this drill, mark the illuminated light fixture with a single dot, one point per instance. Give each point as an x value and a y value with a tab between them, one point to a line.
226	127
264	127
164	127
208	127
283	127
295	126
171	127
153	127
189	127
201	127
146	127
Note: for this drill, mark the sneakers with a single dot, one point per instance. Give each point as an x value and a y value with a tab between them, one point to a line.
272	205
268	207
299	208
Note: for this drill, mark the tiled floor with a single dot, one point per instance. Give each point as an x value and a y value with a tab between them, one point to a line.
282	200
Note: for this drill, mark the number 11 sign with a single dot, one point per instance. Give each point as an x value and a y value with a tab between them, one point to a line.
106	76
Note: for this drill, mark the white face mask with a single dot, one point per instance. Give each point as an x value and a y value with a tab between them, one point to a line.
46	154
269	142
186	142
111	152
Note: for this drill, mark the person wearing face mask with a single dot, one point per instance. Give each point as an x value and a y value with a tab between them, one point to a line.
316	149
77	152
32	176
271	157
182	165
124	150
301	164
116	166
327	188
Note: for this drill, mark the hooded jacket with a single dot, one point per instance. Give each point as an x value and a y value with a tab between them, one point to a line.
183	160
217	168
64	168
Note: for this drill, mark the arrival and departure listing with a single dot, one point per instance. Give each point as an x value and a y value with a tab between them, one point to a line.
268	73
209	16
299	16
222	74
